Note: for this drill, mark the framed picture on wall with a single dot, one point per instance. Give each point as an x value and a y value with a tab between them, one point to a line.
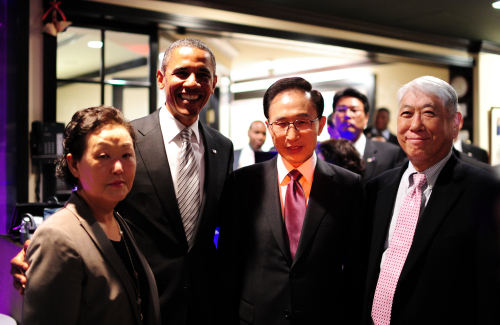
495	136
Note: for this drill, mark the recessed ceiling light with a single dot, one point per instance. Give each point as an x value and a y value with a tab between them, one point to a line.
496	4
94	44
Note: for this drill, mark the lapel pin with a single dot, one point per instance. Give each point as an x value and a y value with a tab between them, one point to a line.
469	154
214	151
370	159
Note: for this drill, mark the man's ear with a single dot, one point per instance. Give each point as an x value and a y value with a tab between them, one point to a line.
214	84
322	122
73	165
159	78
456	124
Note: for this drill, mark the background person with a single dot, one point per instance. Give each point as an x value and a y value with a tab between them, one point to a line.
380	130
257	137
351	112
83	259
342	153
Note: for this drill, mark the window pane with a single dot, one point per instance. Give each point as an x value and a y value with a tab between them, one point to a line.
126	57
72	97
135	102
75	58
132	101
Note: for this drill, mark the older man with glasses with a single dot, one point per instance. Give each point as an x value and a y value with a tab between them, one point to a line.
291	238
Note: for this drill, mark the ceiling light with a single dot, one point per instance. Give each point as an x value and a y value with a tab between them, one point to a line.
94	44
496	5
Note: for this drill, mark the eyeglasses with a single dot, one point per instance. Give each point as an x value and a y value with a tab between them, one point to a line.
299	125
355	110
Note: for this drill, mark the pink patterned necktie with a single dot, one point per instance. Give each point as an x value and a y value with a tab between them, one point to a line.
398	251
295	210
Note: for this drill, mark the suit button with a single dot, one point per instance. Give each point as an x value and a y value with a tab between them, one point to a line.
287	314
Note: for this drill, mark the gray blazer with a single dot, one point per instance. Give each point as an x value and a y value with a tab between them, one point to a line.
76	276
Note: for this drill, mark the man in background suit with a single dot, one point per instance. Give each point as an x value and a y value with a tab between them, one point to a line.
181	254
257	136
470	150
380	131
434	245
351	112
291	236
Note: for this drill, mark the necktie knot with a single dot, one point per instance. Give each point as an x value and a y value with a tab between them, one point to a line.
419	180
186	134
294	175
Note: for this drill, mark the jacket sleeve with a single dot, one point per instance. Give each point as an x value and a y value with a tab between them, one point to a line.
55	278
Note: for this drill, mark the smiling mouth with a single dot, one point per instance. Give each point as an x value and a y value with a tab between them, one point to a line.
190	97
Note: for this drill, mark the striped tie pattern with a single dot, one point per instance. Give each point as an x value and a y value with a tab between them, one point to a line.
188	185
397	252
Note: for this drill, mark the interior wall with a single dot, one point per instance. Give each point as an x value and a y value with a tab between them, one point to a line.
487	81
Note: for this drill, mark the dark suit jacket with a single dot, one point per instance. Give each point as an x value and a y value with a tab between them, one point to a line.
451	273
379	157
185	279
77	277
475	152
259	281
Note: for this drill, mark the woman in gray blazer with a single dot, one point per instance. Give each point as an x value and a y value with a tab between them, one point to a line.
85	267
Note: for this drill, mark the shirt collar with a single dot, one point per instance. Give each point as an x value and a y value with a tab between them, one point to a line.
360	144
306	169
171	127
431	173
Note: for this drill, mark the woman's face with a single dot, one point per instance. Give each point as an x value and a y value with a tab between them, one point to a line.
106	170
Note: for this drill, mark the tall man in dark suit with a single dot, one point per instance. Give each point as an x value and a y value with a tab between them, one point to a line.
434	249
351	112
291	237
178	244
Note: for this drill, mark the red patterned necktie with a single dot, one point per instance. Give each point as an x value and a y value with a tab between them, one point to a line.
295	210
397	252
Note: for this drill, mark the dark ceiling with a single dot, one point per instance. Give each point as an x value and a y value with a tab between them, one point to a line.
461	20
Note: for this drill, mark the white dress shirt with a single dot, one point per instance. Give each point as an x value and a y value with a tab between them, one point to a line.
247	156
405	185
307	171
171	129
360	145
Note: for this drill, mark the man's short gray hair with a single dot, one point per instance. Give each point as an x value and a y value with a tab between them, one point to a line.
186	42
432	86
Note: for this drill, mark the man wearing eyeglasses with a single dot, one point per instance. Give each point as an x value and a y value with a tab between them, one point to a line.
351	113
291	237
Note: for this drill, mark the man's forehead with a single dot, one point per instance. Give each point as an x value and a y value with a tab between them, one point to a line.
183	55
419	99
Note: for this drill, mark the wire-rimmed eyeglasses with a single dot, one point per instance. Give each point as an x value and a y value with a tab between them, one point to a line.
299	125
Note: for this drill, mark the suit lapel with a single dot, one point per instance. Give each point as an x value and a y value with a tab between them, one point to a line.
272	203
444	196
102	242
383	210
319	202
151	147
369	158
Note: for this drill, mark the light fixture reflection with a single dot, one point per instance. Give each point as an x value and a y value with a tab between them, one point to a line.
94	44
496	5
